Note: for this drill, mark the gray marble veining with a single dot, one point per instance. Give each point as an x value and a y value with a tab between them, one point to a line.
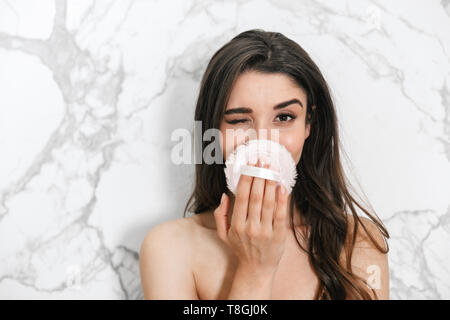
90	92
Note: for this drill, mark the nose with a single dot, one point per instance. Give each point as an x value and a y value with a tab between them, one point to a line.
261	131
266	133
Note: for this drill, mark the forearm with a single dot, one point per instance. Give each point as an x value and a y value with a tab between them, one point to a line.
251	284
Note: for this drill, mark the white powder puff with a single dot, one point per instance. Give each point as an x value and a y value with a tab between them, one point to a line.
281	164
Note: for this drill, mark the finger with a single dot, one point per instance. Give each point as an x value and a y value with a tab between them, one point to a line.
279	220
240	208
255	201
269	204
221	218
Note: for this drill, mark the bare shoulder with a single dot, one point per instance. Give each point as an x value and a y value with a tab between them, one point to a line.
180	227
366	229
367	260
165	261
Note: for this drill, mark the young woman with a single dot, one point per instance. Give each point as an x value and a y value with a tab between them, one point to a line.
263	243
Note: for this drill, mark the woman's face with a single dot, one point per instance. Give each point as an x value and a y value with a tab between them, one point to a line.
252	101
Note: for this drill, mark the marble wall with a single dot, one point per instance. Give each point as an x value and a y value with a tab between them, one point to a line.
90	92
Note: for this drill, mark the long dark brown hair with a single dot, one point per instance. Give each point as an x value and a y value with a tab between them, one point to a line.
321	192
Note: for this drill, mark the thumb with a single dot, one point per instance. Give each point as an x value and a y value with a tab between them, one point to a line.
221	217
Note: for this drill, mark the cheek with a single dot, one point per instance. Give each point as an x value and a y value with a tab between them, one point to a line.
230	142
294	144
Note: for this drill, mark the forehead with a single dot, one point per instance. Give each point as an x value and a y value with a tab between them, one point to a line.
254	89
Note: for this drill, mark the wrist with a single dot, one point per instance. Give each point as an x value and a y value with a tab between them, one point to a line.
252	282
257	270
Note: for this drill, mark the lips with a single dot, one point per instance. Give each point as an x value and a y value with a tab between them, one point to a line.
281	164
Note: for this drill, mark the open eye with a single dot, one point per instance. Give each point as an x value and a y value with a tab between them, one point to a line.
284	115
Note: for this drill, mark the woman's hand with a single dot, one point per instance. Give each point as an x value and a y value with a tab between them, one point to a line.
258	229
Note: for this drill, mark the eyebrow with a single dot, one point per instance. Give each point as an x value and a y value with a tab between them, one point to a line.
276	107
